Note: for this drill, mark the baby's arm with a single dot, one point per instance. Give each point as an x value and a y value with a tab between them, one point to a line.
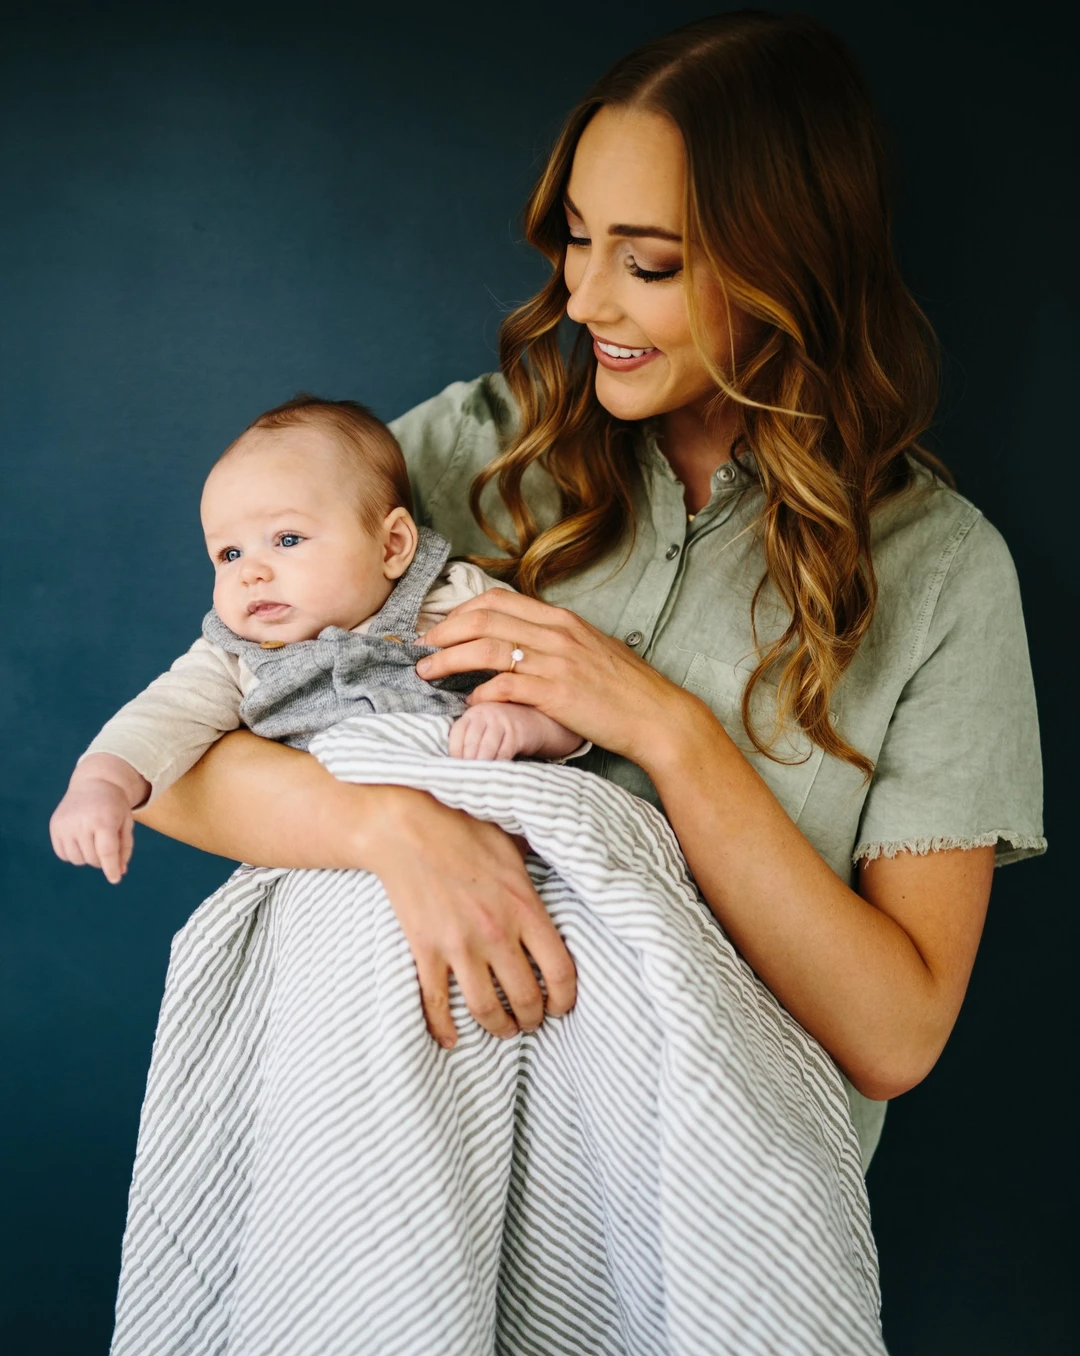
150	742
499	730
92	825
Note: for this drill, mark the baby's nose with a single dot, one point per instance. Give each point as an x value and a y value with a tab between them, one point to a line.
255	570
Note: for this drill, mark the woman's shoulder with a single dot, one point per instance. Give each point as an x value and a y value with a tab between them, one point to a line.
937	556
929	523
436	426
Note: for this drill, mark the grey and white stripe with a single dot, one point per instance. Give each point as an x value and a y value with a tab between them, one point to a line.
670	1168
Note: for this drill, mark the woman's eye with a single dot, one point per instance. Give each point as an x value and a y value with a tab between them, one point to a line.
290	539
651	275
230	554
578	240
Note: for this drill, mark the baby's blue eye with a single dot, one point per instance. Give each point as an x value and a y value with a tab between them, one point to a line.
230	554
290	538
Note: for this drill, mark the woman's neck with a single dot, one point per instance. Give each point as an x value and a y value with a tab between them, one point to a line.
695	448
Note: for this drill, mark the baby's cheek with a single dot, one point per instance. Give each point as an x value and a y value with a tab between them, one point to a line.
225	605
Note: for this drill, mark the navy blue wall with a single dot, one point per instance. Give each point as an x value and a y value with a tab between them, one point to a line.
206	209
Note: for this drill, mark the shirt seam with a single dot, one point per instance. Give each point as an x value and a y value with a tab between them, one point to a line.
933	593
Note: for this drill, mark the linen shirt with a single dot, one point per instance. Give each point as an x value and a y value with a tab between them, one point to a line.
939	694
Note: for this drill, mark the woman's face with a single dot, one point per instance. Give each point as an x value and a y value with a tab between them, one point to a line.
624	268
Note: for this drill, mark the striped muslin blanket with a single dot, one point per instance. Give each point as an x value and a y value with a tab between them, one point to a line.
670	1168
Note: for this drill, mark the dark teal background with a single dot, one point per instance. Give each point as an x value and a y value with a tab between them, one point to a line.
203	210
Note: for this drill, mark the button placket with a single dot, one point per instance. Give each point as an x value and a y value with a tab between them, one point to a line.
644	606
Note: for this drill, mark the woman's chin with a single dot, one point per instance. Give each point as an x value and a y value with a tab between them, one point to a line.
628	396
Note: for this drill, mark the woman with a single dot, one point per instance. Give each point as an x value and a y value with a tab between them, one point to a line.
744	579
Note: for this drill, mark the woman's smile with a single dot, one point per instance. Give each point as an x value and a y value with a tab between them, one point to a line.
620	357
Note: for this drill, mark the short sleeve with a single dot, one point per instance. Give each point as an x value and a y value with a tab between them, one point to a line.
437	434
960	766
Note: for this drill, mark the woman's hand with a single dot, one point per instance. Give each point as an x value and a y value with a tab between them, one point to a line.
466	904
571	672
458	885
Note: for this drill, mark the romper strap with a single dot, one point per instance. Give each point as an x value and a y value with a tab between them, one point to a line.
398	615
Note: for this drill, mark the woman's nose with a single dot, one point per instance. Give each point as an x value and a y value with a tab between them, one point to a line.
591	301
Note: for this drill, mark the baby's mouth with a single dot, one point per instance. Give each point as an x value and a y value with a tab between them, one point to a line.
264	611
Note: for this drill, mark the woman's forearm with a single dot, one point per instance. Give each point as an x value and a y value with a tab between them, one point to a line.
846	970
257	801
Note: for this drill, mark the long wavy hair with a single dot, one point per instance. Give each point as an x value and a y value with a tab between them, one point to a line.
787	202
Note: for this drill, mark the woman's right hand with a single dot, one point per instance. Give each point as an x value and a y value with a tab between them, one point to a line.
467	907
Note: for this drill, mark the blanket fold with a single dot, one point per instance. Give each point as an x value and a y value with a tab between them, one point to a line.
670	1168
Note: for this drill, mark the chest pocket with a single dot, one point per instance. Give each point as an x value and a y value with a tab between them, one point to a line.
720	685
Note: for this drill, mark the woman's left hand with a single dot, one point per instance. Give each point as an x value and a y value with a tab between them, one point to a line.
572	672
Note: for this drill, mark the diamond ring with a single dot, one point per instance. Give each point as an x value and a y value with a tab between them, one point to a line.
515	655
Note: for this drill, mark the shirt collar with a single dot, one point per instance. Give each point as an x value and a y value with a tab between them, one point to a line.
735	473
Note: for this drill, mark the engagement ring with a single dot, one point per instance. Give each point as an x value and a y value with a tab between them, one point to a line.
515	655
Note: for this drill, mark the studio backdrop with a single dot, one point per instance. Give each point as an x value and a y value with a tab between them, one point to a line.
208	208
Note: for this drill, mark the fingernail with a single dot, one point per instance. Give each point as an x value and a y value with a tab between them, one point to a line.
423	666
446	1043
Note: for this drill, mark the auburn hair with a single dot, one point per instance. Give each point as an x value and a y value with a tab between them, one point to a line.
787	202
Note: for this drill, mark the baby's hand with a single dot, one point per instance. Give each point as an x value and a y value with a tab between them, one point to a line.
93	824
504	729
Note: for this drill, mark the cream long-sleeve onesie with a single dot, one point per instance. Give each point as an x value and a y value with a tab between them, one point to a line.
168	727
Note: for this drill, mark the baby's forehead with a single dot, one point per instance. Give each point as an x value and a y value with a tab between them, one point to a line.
301	440
270	476
300	456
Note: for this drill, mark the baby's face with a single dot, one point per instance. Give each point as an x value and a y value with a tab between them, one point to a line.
290	554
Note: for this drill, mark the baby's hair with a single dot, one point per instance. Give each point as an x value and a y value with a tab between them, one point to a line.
369	452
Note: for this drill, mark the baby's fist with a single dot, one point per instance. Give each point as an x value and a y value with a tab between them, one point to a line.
503	730
93	826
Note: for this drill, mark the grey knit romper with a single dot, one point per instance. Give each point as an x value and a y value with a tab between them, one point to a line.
308	685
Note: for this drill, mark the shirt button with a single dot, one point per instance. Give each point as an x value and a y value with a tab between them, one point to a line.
726	473
671	552
633	637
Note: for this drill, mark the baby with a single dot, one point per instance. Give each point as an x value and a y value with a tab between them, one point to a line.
323	584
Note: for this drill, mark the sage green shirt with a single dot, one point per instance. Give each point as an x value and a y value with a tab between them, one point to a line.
939	695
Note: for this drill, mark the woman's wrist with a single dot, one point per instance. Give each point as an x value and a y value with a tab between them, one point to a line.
689	733
386	821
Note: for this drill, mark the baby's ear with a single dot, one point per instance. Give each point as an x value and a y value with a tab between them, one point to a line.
399	536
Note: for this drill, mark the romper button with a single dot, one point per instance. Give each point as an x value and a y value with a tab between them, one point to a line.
726	472
271	644
671	552
633	637
397	638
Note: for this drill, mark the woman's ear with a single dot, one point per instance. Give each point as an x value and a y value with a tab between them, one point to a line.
399	537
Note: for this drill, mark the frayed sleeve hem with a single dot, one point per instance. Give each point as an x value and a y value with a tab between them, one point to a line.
1010	846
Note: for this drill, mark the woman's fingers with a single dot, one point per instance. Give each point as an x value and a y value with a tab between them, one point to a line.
434	978
481	653
538	631
549	952
519	605
478	989
523	993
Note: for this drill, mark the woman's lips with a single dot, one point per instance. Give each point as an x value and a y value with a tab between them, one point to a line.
614	364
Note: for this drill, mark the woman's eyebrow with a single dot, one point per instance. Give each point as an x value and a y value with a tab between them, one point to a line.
631	232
